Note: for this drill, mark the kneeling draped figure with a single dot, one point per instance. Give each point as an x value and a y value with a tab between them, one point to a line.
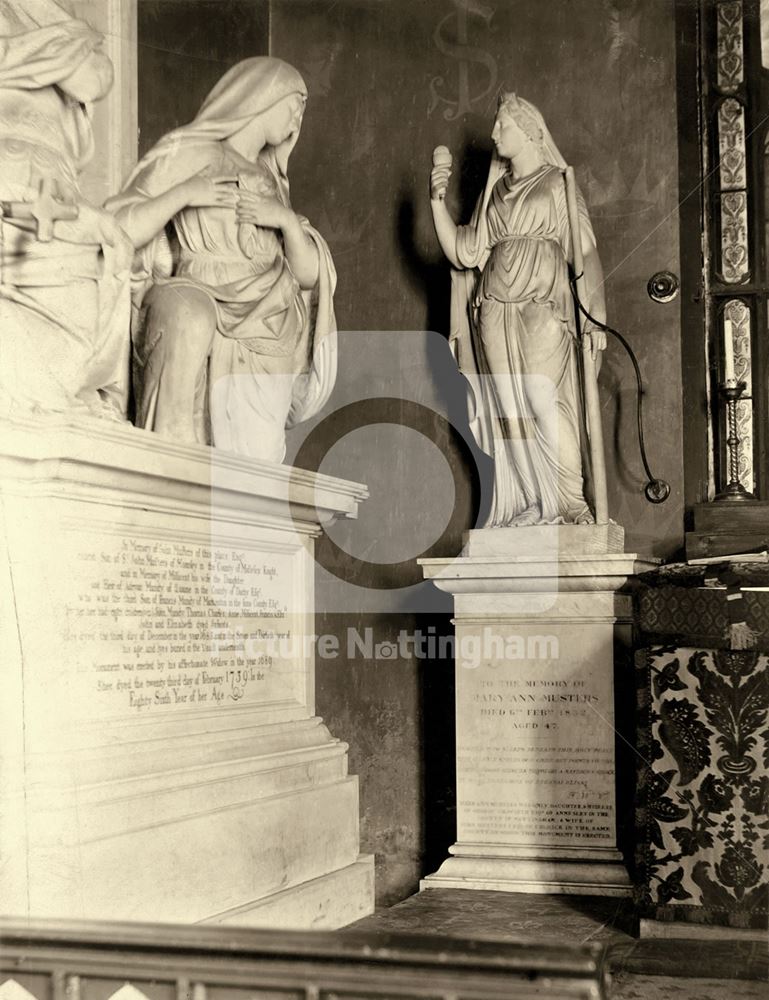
234	336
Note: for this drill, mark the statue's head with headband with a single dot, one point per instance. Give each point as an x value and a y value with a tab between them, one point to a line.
525	115
529	119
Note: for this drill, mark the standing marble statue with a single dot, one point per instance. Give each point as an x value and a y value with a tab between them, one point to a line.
514	324
64	264
234	336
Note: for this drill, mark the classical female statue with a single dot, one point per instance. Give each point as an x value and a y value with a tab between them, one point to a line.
234	336
64	263
513	320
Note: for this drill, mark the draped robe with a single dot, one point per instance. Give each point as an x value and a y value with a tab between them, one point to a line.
64	304
514	335
273	358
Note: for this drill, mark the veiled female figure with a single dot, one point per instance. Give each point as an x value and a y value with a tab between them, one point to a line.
513	321
234	336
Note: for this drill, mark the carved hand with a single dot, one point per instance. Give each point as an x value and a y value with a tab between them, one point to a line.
92	225
204	191
439	181
261	211
597	339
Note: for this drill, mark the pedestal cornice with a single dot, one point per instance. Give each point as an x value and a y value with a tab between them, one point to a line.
527	574
52	455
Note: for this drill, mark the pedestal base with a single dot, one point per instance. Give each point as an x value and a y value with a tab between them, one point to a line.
538	612
558	875
160	753
325	903
546	541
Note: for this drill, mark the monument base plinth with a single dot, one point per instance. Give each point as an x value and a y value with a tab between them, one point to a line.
578	871
160	752
538	614
546	541
324	903
582	877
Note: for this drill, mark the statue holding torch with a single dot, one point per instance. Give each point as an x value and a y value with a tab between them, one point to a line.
517	335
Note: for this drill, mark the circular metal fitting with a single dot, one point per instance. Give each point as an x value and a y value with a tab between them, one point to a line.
662	286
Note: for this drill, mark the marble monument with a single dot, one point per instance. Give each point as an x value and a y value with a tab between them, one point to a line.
542	589
160	755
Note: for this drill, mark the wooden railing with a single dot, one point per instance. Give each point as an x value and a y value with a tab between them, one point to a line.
110	961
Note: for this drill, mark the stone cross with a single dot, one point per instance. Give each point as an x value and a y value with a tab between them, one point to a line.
45	210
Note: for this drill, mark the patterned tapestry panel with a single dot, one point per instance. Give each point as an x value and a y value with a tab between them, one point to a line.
703	786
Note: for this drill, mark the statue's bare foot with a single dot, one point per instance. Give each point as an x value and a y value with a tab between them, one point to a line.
527	518
582	515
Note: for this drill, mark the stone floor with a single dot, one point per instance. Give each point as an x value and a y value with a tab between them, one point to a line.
630	986
650	969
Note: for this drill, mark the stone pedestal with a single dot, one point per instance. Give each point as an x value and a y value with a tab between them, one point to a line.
160	758
537	613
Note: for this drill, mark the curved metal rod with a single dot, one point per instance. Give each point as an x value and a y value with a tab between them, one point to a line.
656	490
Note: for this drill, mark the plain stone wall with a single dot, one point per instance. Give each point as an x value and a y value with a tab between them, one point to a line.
185	46
382	76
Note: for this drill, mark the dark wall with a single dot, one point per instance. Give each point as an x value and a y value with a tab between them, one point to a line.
394	428
184	47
